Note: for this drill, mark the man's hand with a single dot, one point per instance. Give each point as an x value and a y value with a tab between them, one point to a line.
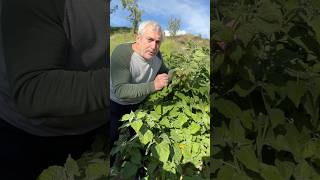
161	81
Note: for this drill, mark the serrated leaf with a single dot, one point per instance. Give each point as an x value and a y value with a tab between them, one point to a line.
180	121
53	173
236	54
169	167
72	167
277	117
163	151
295	91
237	132
217	62
177	154
304	171
285	168
194	128
245	33
270	172
97	170
146	137
243	88
186	153
136	125
135	156
246	119
248	158
316	26
165	122
128	117
228	108
226	172
129	170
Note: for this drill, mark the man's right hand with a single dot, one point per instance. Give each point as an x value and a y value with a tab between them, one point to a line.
161	81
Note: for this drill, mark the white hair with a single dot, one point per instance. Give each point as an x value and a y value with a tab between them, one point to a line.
156	26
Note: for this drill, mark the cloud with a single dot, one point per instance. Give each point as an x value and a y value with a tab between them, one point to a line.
180	32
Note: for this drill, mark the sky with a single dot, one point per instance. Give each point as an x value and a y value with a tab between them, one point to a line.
194	14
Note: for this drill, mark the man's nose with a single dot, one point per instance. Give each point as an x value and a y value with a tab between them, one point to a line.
153	44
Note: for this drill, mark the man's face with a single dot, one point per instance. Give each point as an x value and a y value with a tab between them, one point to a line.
149	43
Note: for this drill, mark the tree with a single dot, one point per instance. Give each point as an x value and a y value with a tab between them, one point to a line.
114	8
174	25
135	13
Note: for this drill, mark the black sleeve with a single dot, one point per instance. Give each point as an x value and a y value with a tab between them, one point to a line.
36	52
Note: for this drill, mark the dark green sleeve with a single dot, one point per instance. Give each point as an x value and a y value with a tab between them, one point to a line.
121	77
36	53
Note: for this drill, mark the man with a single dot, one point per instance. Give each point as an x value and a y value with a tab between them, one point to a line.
53	82
137	70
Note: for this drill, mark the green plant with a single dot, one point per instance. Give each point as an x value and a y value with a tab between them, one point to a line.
265	90
171	127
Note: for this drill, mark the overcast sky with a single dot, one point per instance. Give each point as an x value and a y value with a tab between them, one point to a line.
194	14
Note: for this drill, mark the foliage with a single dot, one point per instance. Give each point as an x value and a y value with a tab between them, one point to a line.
265	90
171	127
93	165
135	13
174	26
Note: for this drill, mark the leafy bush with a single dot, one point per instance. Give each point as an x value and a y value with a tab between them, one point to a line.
265	89
171	127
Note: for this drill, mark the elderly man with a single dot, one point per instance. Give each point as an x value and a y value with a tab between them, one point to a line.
137	70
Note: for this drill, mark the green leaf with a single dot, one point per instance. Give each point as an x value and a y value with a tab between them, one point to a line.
146	137
53	173
237	132
186	153
136	125
228	108
227	172
221	33
277	117
269	12
158	109
163	151
97	170
246	119
243	88
304	171
285	168
236	54
217	62
180	121
177	154
295	91
248	158
141	115
169	167
128	117
270	172
135	156
245	33
165	122
311	149
316	26
194	128
72	167
129	170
